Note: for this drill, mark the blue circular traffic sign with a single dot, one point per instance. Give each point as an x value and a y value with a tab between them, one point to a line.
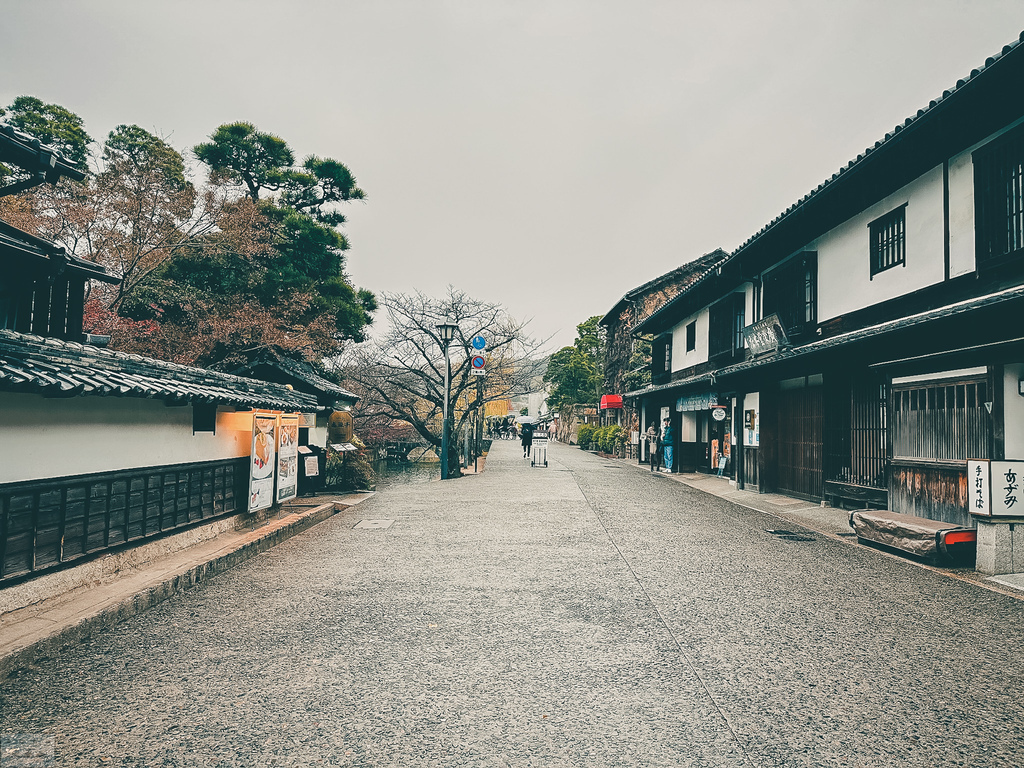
478	362
479	342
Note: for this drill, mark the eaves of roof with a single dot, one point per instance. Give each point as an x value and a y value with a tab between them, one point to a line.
29	154
690	271
660	317
57	368
302	372
851	337
899	133
26	245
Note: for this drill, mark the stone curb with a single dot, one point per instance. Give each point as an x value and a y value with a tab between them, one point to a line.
152	596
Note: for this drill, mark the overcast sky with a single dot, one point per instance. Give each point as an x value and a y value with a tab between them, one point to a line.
548	155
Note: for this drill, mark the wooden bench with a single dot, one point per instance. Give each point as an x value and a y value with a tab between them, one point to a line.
928	539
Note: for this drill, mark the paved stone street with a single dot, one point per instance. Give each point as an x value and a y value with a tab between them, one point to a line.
583	614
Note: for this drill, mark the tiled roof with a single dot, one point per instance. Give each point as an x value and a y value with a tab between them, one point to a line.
872	332
302	372
59	368
687	274
710	267
889	138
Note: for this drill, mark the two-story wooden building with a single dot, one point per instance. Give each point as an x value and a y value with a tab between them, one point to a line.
867	342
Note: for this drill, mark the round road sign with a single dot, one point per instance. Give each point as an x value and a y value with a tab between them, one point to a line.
478	362
479	342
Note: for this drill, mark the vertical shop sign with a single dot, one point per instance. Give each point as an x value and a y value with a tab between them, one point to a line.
261	461
1007	498
288	457
979	501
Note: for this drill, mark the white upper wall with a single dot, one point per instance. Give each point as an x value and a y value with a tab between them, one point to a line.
48	437
680	357
845	283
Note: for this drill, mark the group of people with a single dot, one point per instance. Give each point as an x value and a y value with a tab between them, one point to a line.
660	444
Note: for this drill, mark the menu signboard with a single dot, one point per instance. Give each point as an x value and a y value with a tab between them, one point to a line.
261	461
288	457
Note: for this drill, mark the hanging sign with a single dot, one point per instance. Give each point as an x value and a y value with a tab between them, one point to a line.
261	461
697	402
765	335
288	457
718	413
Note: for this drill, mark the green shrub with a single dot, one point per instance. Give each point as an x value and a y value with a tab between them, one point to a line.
350	471
585	435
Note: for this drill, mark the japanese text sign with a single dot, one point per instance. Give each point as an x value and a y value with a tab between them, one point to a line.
979	494
1007	497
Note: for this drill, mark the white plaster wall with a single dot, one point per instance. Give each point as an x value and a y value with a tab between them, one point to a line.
682	359
748	306
961	215
752	402
1013	411
844	269
688	427
58	437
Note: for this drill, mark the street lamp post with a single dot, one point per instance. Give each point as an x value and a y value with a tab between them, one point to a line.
445	333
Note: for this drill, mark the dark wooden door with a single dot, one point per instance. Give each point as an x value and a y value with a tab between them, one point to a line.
800	455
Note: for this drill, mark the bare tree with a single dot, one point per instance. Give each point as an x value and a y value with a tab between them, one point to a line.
401	374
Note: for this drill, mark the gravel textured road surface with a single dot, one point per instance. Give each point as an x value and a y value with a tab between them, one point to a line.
584	614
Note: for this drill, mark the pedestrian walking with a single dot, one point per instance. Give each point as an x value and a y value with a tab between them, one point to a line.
526	436
652	436
668	436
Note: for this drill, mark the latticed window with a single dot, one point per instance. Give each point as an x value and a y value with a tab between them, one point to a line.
889	240
855	432
999	198
791	292
725	324
946	421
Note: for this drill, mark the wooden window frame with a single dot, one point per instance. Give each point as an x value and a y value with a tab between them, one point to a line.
999	199
791	292
889	240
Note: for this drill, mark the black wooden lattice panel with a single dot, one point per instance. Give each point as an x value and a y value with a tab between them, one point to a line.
46	523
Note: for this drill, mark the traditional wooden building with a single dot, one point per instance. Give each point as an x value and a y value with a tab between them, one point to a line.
102	449
866	344
621	321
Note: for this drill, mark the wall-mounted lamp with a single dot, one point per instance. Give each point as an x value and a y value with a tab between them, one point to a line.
1020	387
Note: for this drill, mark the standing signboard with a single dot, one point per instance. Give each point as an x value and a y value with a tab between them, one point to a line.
1007	499
262	461
288	457
978	488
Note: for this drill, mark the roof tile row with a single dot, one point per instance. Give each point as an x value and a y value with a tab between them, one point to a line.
57	368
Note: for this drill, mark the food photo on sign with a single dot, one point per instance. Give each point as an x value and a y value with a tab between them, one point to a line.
288	458
261	463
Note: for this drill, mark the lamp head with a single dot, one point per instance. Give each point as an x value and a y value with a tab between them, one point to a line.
446	331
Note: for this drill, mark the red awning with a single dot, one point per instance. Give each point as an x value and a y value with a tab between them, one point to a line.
611	401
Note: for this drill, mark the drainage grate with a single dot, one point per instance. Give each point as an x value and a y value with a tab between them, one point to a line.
377	524
789	535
